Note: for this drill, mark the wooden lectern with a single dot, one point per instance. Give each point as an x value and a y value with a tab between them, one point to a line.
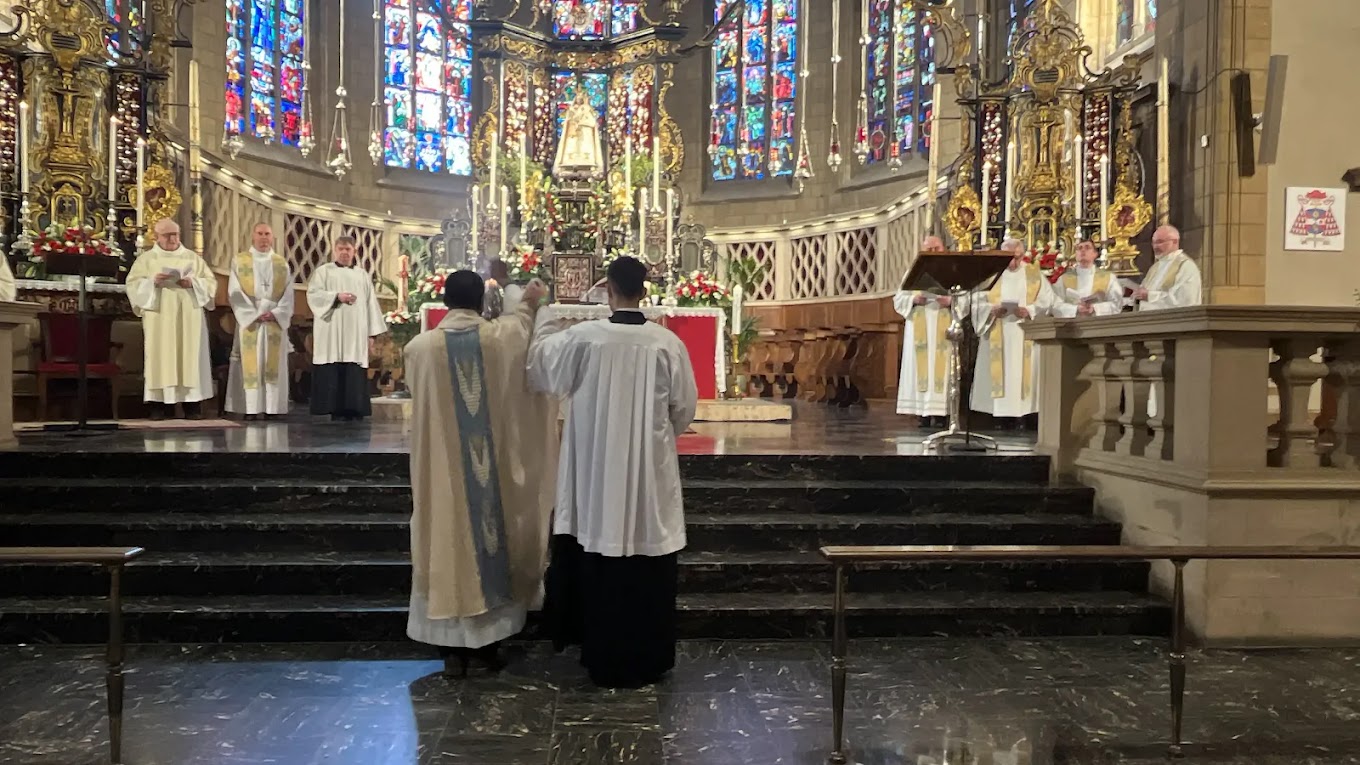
959	275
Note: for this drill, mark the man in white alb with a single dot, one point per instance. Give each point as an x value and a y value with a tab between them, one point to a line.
923	387
261	292
1006	377
169	286
8	289
1086	289
620	520
346	318
1172	282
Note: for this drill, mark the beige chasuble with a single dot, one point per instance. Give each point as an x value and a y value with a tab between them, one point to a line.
997	358
270	333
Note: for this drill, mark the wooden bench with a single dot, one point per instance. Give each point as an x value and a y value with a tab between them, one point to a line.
112	558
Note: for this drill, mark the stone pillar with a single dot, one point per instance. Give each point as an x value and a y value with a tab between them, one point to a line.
12	316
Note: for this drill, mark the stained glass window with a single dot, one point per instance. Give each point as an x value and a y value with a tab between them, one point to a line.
1124	21
126	17
900	77
428	85
566	84
1150	22
594	19
265	40
754	88
1021	16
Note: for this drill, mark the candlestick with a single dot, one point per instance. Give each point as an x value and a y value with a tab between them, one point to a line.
113	159
1079	162
656	173
670	223
141	185
1164	145
1010	179
22	156
628	169
493	197
476	202
642	221
1104	203
523	167
933	174
505	217
986	203
736	310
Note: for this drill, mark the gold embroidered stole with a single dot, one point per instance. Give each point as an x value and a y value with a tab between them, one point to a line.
997	343
273	333
921	344
1100	284
1168	277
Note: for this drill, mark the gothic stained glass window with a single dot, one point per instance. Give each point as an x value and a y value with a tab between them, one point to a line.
1020	15
126	17
754	89
265	42
1124	21
594	19
565	85
1150	23
427	85
900	77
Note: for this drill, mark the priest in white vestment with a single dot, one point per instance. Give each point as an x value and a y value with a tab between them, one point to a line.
1006	377
9	291
169	286
923	387
1172	282
345	319
620	520
483	469
260	289
1087	290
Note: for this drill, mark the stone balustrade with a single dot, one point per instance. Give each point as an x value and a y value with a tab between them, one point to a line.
1170	415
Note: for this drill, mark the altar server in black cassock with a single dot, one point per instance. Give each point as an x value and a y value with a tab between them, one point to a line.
619	522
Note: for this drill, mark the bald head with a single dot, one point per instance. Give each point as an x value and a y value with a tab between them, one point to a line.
932	244
167	234
1166	240
1016	249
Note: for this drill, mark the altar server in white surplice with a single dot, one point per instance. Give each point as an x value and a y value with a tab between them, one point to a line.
169	286
1086	290
346	318
261	292
923	388
620	520
1006	378
9	291
1172	282
483	470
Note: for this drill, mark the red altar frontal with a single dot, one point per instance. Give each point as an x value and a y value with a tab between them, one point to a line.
702	331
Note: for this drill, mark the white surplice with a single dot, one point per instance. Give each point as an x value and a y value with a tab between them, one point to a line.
8	289
632	394
934	377
1172	282
1065	303
177	366
340	331
271	394
1014	288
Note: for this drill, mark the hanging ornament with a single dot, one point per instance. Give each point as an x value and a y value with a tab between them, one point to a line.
862	104
714	132
339	160
375	112
802	169
306	140
894	140
833	156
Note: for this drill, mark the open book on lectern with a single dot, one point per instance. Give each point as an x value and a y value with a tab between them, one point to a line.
944	272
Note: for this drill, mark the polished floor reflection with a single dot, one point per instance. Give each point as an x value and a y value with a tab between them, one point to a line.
815	429
923	702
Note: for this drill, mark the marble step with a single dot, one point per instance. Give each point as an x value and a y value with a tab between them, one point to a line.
158	467
701	496
213	574
312	532
246	619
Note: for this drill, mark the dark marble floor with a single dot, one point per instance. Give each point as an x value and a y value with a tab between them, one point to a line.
815	429
928	702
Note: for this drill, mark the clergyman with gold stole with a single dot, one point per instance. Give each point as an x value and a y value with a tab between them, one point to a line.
923	387
1006	378
483	475
1086	289
260	289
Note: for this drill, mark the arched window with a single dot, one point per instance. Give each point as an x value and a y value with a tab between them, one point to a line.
265	43
1134	19
126	18
427	51
899	79
594	19
754	86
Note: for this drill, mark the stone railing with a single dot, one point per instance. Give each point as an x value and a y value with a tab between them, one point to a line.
1170	416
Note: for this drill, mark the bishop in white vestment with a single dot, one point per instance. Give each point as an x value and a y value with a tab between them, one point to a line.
923	387
346	318
169	286
1172	282
620	519
1086	290
261	292
1006	378
483	469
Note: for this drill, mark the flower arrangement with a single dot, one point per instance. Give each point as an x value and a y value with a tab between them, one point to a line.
1052	263
524	264
426	288
700	289
403	325
58	240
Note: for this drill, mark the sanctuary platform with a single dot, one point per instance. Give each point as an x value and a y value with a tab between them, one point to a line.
298	531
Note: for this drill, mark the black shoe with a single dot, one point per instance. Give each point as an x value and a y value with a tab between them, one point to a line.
488	656
155	412
193	410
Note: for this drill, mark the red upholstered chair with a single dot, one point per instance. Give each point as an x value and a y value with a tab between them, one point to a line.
61	349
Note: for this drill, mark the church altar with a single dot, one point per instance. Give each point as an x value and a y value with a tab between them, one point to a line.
702	330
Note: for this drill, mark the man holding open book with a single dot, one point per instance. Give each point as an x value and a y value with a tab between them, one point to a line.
1087	290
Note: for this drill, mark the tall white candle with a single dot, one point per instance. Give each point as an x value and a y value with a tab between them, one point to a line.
505	216
986	203
113	159
476	202
642	221
933	172
1164	144
736	310
628	168
1104	201
141	184
656	170
495	149
670	222
523	166
22	155
1010	179
1079	167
